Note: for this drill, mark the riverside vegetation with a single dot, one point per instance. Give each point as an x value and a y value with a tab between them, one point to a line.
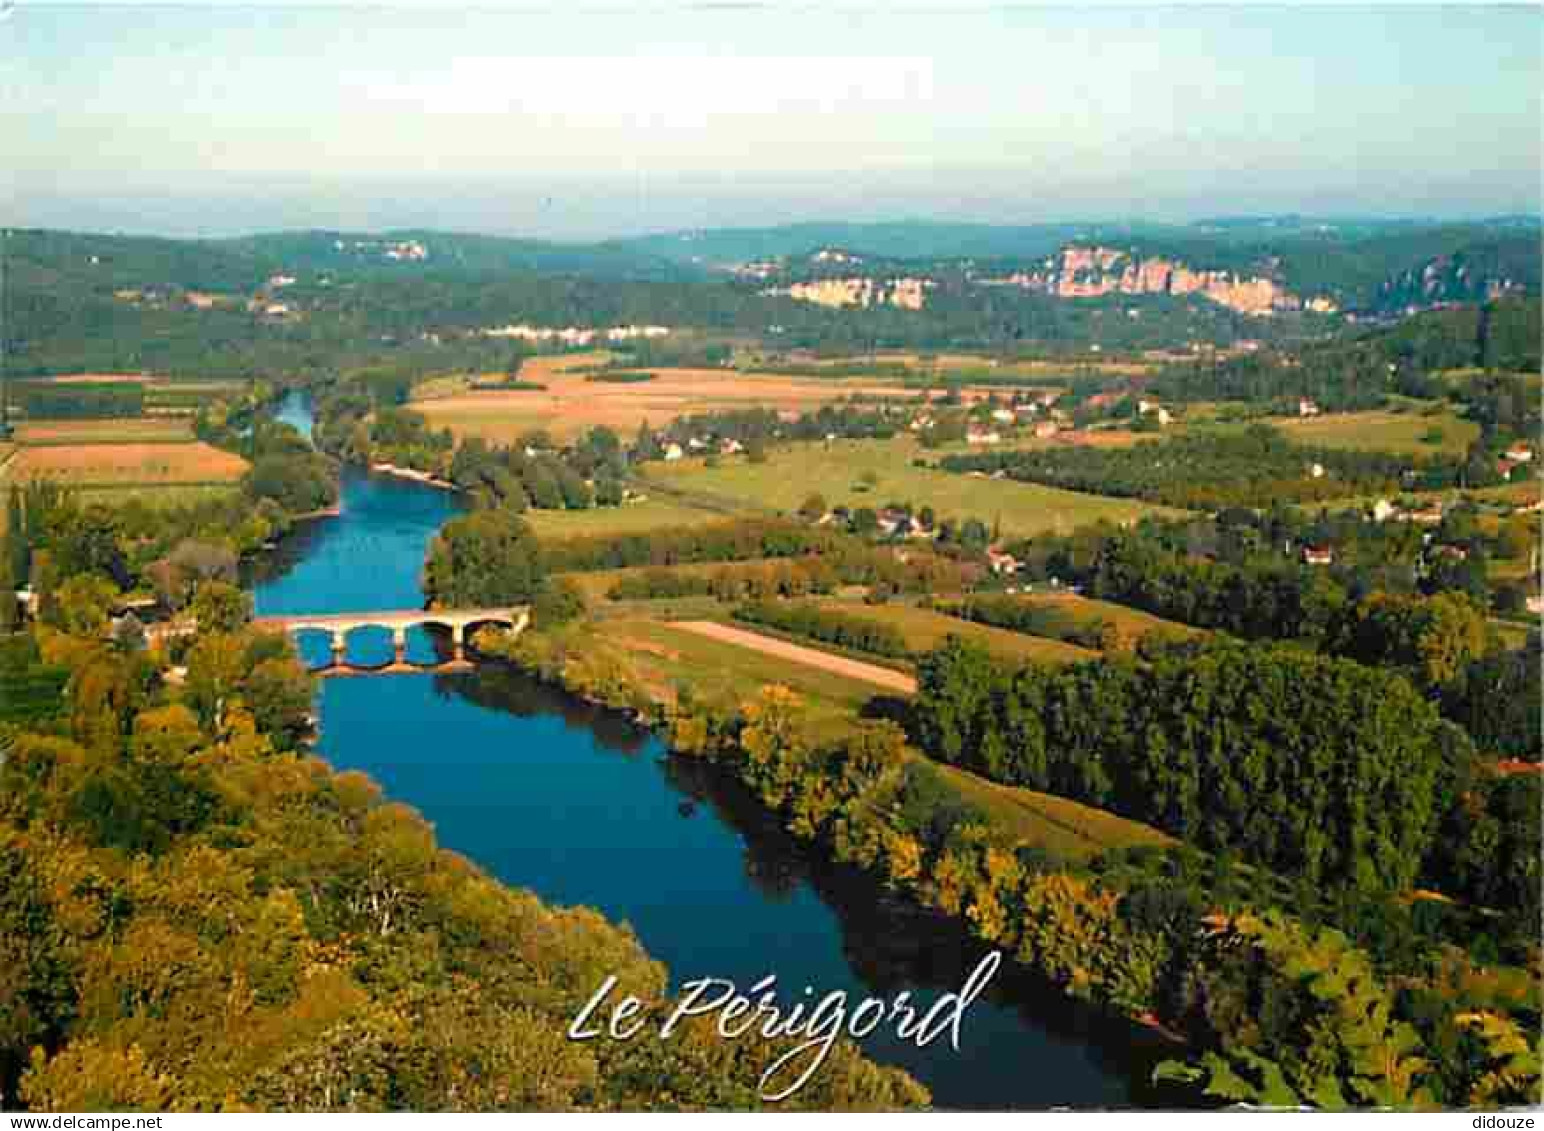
1378	997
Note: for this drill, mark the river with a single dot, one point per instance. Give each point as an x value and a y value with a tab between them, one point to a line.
582	807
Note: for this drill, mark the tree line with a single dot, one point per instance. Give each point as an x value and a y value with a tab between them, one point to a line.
1214	470
1304	764
862	634
1191	940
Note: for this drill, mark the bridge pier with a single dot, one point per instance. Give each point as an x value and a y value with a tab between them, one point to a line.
339	648
458	643
399	644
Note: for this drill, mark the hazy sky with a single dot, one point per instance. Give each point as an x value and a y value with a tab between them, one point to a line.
575	123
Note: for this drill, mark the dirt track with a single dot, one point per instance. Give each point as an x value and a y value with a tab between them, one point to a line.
825	661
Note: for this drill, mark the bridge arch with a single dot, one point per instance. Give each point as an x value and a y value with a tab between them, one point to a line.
458	622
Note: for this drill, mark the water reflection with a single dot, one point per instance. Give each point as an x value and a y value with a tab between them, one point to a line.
583	807
1027	1044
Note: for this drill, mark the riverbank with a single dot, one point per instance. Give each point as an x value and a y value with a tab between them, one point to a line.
800	776
413	475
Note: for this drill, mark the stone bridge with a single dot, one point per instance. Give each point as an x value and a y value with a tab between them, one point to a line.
398	621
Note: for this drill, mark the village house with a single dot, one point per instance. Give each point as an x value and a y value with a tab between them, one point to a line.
975	436
731	446
1383	510
1519	453
1306	407
1426	516
1318	555
673	452
1316	470
1002	563
1046	429
1451	552
1003	415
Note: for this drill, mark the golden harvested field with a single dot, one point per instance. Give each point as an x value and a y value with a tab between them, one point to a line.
571	404
145	429
111	465
791	473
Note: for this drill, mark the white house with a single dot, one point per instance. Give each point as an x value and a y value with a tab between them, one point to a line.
1383	510
1306	407
1519	453
673	451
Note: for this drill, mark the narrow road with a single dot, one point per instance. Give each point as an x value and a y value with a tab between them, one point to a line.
813	657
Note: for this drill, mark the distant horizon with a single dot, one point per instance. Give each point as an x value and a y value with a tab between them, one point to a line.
899	220
575	126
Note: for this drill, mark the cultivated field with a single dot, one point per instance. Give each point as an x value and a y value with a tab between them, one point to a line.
570	404
791	473
665	656
156	497
810	657
1084	612
595	584
1384	431
924	630
140	430
125	464
633	518
1061	827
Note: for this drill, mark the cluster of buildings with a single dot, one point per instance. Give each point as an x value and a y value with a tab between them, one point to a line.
575	335
402	250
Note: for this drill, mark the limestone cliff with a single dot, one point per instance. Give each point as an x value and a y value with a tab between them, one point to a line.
1090	272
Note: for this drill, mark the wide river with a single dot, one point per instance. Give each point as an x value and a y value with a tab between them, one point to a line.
581	807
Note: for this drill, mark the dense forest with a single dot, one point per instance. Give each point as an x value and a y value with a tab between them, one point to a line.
1306	765
167	859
